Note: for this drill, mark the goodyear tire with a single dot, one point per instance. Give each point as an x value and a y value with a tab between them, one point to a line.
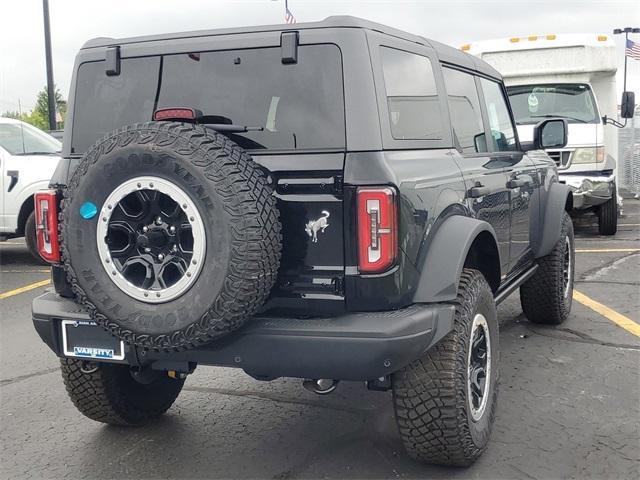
112	394
445	402
547	296
170	235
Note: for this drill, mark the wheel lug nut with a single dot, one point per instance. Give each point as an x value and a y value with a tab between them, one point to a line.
160	257
158	221
172	229
145	229
147	250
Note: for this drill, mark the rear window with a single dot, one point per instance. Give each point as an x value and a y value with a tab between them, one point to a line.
104	103
298	106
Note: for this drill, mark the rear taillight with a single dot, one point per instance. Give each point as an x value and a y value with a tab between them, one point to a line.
377	229
47	225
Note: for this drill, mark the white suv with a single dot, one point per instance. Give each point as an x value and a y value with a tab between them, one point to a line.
28	158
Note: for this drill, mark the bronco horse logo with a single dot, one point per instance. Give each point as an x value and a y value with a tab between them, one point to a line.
314	226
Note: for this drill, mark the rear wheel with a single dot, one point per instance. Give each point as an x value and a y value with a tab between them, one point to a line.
445	402
30	238
113	394
608	216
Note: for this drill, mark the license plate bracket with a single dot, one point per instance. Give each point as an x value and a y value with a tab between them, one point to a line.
86	339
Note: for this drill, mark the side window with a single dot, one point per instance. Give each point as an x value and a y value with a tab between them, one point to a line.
502	131
464	109
412	98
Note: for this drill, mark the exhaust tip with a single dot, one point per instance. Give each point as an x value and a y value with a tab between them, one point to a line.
321	386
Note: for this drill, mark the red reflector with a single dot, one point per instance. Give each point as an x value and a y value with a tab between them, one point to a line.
175	114
46	206
377	229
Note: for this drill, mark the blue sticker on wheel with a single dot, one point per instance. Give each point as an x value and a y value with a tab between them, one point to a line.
88	210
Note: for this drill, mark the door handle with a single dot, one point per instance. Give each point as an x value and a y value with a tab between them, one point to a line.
517	183
479	191
14	174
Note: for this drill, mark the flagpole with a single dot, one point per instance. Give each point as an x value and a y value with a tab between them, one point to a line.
626	41
626	31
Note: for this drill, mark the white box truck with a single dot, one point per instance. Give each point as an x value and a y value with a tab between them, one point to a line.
572	76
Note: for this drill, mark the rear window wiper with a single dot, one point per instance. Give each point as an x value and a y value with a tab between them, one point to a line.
229	127
218	123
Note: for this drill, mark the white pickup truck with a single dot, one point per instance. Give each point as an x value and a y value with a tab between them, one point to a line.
28	158
572	76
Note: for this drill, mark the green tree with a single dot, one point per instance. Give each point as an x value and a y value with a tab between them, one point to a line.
10	114
40	114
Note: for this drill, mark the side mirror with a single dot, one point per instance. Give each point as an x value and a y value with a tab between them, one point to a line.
480	142
627	104
550	133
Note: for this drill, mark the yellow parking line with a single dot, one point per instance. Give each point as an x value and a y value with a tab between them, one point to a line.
607	250
42	270
26	288
617	318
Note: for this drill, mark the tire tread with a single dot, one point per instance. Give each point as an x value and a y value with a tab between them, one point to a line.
542	296
430	397
100	396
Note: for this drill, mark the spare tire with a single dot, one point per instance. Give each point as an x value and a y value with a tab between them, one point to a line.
170	235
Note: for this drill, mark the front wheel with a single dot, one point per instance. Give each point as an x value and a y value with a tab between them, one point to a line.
608	216
115	395
547	296
445	401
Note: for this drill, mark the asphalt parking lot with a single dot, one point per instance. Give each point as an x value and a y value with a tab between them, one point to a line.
569	404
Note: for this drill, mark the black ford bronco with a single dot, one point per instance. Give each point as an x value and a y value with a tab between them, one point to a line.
329	201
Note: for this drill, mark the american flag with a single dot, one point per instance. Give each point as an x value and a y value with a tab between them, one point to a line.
632	50
288	16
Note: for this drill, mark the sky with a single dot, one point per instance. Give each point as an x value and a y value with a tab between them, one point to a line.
455	22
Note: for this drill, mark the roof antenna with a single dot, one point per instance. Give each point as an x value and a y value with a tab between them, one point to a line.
24	150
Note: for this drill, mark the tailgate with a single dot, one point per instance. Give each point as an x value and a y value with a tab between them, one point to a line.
310	201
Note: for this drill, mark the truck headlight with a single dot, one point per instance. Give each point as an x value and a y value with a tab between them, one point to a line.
588	155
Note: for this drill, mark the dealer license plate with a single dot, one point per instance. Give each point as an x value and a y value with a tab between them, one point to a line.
86	339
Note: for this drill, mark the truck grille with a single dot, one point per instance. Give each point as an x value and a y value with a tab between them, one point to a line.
561	157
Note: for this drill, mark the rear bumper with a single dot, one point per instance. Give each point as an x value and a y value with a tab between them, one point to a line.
356	346
589	190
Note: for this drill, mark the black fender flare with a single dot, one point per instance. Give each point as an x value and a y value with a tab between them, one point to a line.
446	256
551	219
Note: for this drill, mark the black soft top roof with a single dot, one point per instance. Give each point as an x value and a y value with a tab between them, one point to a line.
445	52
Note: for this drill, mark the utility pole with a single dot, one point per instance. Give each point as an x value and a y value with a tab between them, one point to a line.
51	96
